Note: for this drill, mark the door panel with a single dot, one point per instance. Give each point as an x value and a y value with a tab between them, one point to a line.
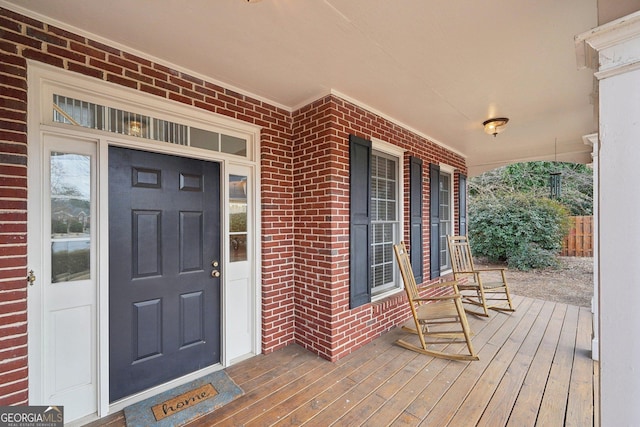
191	248
164	303
145	238
191	319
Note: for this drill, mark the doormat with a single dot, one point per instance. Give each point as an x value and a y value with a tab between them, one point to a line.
184	403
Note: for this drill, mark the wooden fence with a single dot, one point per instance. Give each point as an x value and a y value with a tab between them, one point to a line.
579	242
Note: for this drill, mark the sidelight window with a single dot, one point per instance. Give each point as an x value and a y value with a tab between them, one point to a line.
70	217
237	218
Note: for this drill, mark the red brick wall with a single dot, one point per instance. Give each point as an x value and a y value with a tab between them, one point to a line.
13	222
324	322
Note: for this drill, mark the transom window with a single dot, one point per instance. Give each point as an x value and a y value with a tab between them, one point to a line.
385	222
94	116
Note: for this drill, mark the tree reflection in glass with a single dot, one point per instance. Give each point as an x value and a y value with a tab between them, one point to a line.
237	218
70	217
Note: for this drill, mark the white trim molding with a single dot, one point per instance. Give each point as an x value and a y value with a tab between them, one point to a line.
612	48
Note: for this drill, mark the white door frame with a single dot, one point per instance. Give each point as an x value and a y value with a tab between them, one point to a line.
42	78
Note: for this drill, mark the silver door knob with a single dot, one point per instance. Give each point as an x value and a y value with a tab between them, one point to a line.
215	273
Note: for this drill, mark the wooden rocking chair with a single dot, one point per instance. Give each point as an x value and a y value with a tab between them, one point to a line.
490	293
431	313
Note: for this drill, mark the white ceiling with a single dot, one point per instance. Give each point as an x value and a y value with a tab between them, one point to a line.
439	67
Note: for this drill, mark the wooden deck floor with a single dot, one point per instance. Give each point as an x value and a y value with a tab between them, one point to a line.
535	368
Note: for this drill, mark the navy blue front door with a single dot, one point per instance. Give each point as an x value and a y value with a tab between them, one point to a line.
164	240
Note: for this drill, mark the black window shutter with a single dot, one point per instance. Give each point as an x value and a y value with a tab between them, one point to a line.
434	220
359	221
462	205
415	212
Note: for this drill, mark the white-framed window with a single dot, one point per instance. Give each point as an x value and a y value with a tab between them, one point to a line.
446	214
386	217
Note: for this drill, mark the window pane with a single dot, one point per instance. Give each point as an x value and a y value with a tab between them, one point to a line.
374	166
391	169
173	133
233	145
391	211
78	113
238	218
391	189
388	235
127	123
374	210
378	254
70	217
381	210
383	194
237	203
205	139
238	247
446	215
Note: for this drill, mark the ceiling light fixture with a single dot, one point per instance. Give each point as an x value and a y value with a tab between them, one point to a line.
495	126
133	125
135	128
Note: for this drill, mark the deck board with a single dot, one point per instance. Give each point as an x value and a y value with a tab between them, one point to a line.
448	371
327	397
264	395
499	408
535	368
580	404
414	389
457	393
346	405
554	403
262	364
480	395
525	409
306	396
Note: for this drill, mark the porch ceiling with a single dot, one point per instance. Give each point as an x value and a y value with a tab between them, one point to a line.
438	67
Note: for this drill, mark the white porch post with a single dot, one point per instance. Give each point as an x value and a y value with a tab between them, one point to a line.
595	301
613	50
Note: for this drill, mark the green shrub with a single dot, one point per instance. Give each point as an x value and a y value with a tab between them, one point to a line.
524	231
531	256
